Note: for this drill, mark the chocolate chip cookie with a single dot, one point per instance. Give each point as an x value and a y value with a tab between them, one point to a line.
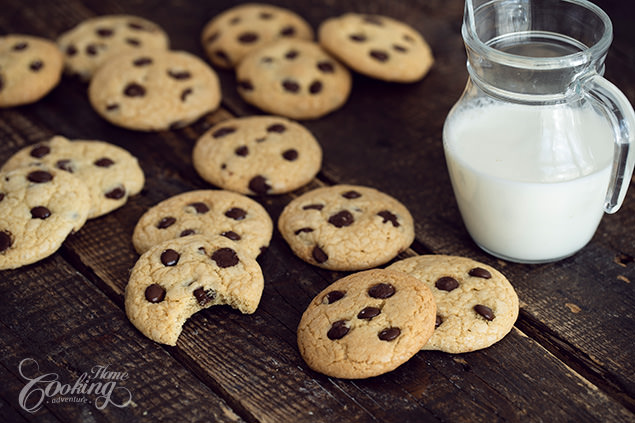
476	304
153	90
30	67
179	277
39	207
346	227
258	155
92	42
377	46
366	324
229	36
111	173
236	217
293	78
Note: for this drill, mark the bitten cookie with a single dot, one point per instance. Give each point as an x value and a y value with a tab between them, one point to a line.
293	78
229	36
243	221
154	90
39	208
110	172
258	155
89	44
30	67
346	227
366	324
476	304
377	46
179	277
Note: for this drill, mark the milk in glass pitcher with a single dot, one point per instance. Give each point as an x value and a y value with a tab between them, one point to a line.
540	145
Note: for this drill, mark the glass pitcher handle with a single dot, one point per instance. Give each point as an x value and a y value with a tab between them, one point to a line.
622	117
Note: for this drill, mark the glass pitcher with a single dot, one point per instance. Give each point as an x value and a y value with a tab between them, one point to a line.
539	145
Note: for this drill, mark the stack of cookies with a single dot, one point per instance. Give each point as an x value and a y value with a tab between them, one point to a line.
49	190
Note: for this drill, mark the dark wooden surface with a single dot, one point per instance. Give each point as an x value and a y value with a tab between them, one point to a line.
570	357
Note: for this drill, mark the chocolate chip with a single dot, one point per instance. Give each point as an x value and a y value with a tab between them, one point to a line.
155	293
381	290
389	217
333	296
326	67
185	93
116	193
137	26
291	54
438	321
231	235
399	48
341	219
170	257
266	15
40	212
235	20
133	42
266	59
91	50
242	151
134	90
187	232
408	38
1	196
248	37
315	87
71	50
350	195
368	313
479	272
287	31
223	131
259	184
142	61
357	37
180	75
379	55
65	164
291	154
225	257
246	85
338	330
112	107
212	37
204	297
313	207
104	32
236	213
290	86
373	20
484	311
276	127
200	207
20	46
104	162
166	222
446	283
5	240
389	334
39	176
40	151
319	255
36	65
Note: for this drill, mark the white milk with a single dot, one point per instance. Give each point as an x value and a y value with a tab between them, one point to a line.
530	181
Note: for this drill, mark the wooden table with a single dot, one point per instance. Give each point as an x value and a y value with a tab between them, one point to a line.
570	356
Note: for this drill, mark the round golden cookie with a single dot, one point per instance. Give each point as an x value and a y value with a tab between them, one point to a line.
476	304
179	277
229	36
258	155
346	227
92	42
39	207
377	46
111	173
366	324
211	212
30	67
153	90
293	78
